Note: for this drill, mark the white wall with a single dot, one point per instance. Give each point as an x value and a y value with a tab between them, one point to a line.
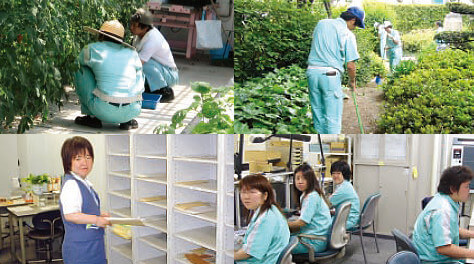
8	163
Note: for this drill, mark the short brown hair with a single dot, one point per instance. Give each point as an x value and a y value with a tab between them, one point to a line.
73	147
453	177
261	183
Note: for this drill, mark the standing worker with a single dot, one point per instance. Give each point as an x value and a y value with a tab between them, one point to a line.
80	206
393	45
333	46
155	54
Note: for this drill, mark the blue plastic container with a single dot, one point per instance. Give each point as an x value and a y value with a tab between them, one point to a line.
222	53
150	100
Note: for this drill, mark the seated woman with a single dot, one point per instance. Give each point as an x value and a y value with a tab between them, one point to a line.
267	234
341	174
315	218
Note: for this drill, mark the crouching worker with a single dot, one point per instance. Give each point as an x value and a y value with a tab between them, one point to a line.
159	67
267	234
436	232
110	81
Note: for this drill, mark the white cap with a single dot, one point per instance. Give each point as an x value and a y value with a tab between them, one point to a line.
387	24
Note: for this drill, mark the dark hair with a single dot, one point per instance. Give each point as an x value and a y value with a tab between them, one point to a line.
136	19
73	147
439	23
453	177
107	38
261	183
342	167
308	174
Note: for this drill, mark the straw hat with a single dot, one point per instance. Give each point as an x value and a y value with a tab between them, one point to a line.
112	29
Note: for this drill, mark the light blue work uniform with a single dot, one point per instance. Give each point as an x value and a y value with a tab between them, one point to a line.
83	244
266	237
345	193
333	45
109	73
394	51
315	213
159	75
437	225
383	38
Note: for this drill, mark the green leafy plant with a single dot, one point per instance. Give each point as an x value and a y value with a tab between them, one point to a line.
417	40
277	103
37	179
214	111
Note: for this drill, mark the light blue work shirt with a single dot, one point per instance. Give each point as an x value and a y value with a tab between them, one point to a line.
436	226
345	193
315	213
390	42
333	44
266	237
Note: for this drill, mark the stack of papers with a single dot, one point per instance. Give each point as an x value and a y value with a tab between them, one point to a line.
195	207
126	221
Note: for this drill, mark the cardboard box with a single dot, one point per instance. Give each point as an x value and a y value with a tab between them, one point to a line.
256	167
338	147
260	156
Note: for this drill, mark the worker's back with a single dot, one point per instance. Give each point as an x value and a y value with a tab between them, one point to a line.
331	41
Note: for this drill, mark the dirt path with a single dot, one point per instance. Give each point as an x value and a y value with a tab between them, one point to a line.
369	100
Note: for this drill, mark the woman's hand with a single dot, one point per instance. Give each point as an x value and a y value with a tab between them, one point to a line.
104	214
102	221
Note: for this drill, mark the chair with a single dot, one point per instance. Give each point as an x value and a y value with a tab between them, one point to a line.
403	257
3	234
285	255
48	226
367	219
403	242
337	239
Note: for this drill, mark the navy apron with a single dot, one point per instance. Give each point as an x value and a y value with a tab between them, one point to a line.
83	244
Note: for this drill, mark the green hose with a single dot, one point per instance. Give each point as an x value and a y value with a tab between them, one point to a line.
358	114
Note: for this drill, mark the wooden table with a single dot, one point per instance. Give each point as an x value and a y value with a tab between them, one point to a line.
19	213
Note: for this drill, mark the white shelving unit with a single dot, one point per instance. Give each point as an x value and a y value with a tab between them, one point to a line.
182	186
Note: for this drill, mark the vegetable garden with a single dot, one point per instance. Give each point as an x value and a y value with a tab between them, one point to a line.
421	96
39	43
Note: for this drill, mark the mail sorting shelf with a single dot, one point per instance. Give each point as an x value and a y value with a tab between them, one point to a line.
177	16
182	188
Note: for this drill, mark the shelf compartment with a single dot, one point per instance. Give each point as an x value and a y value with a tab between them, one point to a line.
158	260
200	185
204	236
124	174
210	255
161	204
122	193
152	177
150	145
146	167
156	222
123	212
156	241
119	165
124	250
208	216
118	145
203	159
195	146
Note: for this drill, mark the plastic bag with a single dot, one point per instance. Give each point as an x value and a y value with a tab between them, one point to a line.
208	34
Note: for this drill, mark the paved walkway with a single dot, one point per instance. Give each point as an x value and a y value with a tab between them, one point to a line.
62	122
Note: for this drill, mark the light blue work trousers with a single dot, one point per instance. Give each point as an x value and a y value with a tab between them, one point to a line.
158	75
395	55
325	95
85	83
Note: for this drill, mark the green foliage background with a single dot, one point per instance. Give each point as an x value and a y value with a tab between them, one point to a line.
39	43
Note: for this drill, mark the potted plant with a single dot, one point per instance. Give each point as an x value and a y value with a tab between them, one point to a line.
37	182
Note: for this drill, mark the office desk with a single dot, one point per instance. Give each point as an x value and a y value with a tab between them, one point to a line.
19	213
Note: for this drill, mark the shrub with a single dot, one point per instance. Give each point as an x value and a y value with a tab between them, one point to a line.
410	17
416	40
434	97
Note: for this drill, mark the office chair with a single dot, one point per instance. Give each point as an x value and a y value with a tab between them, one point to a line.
285	255
403	257
337	239
367	219
403	242
48	226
